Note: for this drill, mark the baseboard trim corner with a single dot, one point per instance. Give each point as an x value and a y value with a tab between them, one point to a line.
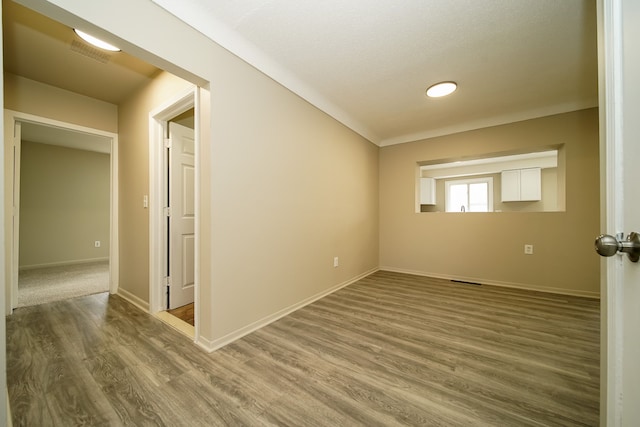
213	345
137	301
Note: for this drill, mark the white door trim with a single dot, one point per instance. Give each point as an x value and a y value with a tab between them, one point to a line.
10	119
158	119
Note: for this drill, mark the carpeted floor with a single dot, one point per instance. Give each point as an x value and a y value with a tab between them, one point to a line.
42	285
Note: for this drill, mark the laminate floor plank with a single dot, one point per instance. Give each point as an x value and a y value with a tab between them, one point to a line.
377	383
205	406
317	391
72	399
390	349
400	370
483	306
582	343
469	338
126	390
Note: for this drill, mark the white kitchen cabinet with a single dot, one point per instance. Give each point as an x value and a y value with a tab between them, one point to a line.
511	185
427	191
519	185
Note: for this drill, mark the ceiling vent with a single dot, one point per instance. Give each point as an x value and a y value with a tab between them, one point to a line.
88	51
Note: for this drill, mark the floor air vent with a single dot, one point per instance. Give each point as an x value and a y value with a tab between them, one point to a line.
467	283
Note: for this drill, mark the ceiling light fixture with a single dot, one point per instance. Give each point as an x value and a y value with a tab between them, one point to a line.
441	89
96	42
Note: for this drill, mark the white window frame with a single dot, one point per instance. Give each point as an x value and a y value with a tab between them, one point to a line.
487	179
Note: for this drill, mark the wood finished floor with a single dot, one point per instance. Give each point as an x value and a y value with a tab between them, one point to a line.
391	349
184	313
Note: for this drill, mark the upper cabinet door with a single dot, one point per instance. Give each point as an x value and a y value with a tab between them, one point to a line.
520	185
510	185
427	191
530	184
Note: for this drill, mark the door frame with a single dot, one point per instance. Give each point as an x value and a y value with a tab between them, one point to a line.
13	119
158	180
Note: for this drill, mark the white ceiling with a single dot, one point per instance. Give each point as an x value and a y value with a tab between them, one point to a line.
367	63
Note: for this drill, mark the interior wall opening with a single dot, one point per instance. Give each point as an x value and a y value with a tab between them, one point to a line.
63	197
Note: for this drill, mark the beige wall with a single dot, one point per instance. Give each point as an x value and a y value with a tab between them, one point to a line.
64	205
488	247
29	96
133	165
292	188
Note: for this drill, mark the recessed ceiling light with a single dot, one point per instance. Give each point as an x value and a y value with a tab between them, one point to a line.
441	89
96	42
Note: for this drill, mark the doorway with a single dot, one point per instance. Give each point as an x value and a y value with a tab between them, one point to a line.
64	224
174	201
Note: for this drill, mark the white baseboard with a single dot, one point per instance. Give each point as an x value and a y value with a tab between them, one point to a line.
63	263
208	345
214	345
525	286
138	302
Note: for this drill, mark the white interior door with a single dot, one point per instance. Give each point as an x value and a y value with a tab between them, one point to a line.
182	215
631	211
621	280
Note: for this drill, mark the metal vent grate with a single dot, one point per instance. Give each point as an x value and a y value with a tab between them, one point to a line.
464	282
86	50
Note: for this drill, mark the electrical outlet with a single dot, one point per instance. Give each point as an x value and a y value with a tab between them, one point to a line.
528	249
336	261
96	243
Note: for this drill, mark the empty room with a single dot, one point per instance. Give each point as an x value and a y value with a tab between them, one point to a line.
373	213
